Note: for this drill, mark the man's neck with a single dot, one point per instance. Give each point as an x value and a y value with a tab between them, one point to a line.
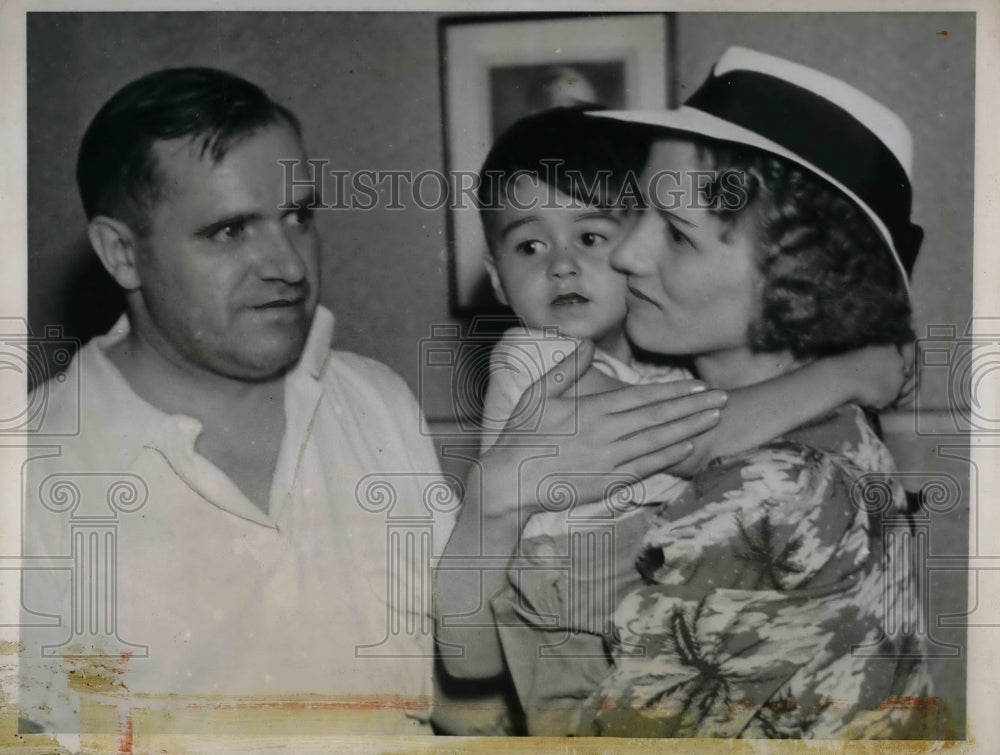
243	423
177	389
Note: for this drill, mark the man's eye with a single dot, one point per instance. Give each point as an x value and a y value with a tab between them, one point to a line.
230	231
530	247
303	217
589	238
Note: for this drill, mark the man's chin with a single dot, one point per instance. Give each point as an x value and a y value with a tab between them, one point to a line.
271	358
260	369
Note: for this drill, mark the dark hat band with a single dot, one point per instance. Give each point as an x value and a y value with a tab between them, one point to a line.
823	134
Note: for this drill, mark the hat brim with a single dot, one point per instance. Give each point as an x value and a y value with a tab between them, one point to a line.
693	121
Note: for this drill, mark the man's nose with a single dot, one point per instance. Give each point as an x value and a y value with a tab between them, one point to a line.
282	259
563	262
636	254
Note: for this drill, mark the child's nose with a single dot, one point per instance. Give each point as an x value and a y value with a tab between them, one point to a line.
563	263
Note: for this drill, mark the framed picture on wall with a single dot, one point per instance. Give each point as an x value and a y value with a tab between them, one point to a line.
498	71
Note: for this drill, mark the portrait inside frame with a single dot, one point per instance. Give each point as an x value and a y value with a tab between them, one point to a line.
498	71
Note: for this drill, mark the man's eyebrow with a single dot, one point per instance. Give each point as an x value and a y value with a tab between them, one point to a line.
304	202
214	227
514	224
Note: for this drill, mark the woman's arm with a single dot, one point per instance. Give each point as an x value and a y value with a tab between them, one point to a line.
627	434
761	412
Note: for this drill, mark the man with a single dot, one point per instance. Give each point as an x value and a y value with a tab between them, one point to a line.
223	535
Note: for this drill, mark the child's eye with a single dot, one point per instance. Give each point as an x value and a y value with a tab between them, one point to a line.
589	238
530	247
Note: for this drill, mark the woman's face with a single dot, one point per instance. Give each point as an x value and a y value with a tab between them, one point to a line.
693	287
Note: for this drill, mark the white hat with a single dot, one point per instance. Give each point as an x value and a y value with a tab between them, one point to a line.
813	119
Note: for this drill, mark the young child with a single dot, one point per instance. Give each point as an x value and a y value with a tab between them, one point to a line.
554	198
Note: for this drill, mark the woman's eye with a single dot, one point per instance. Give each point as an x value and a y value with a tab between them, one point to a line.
529	247
676	236
590	238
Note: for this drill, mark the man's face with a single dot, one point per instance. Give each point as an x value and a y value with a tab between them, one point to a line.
229	279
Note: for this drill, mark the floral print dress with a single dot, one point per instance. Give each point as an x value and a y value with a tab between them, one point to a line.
775	597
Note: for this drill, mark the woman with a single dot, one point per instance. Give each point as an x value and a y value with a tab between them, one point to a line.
776	596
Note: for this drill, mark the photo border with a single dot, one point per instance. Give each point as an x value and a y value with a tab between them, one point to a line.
984	667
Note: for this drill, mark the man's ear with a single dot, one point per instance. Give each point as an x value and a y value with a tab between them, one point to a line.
491	269
115	244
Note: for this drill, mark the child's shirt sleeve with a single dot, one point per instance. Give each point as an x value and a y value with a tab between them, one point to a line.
519	360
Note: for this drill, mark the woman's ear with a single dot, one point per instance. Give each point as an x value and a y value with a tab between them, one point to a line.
491	269
115	245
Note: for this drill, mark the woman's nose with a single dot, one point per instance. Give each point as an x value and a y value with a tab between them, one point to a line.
636	254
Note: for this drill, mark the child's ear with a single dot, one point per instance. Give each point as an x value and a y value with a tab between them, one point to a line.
491	270
115	245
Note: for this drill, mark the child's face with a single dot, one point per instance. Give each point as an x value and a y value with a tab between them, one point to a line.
550	263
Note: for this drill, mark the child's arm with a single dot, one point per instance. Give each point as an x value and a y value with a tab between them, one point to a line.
763	411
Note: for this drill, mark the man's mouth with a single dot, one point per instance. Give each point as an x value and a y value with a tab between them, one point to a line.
571	298
642	297
281	303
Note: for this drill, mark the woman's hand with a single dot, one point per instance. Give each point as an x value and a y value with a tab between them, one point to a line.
880	377
595	441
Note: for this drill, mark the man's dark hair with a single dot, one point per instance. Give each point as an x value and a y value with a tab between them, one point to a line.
830	283
117	171
581	156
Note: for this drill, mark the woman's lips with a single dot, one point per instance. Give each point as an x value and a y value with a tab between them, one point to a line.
642	297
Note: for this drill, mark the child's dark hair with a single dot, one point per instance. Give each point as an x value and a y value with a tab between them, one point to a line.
830	283
581	156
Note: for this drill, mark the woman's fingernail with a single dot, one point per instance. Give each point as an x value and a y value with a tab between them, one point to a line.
699	388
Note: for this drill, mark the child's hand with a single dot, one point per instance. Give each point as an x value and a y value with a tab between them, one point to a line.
880	377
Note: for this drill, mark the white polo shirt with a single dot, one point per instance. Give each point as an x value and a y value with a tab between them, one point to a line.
164	564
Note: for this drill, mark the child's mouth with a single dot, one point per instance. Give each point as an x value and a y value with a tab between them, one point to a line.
570	298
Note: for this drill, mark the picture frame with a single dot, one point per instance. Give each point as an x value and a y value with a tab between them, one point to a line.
497	71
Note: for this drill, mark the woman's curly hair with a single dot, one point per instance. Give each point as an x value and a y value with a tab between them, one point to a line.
830	283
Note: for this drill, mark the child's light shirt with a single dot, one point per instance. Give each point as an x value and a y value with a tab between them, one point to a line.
517	363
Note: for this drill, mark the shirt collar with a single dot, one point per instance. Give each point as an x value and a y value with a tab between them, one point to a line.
317	348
